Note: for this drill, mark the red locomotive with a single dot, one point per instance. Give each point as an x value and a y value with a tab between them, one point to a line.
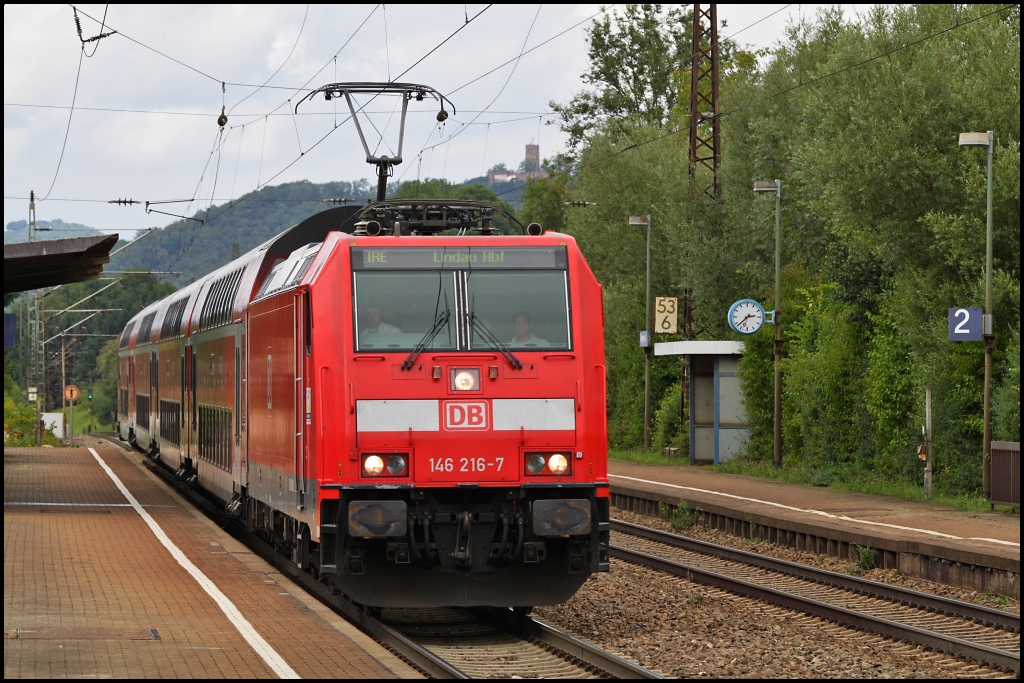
416	417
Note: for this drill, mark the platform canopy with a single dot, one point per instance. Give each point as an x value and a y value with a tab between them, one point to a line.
695	348
48	263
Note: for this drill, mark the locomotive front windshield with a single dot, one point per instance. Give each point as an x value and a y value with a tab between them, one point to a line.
461	298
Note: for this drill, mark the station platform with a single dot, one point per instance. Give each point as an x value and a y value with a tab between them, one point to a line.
974	550
108	573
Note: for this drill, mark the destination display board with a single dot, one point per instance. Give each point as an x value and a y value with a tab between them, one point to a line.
459	258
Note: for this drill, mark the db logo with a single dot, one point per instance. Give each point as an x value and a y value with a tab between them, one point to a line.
465	415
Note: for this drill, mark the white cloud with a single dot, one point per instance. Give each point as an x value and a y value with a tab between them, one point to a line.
150	156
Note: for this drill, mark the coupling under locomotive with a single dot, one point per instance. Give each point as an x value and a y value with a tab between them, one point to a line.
404	397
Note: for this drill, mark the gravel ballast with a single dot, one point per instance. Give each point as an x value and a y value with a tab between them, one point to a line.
684	629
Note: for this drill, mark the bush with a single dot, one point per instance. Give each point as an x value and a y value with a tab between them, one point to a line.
680	517
865	558
669	431
1006	397
19	424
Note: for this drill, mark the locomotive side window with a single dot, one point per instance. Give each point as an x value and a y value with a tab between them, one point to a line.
523	309
396	310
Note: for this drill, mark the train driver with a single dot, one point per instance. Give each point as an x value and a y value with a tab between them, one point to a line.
524	335
374	324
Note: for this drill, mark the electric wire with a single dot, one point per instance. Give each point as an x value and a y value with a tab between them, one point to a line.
597	161
234	203
772	96
522	51
67	130
603	10
153	49
102	26
254	116
290	53
468	22
259	184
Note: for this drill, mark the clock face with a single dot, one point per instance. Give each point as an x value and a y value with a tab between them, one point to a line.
746	316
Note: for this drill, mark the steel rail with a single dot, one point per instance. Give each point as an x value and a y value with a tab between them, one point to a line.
957	647
405	647
528	627
933	603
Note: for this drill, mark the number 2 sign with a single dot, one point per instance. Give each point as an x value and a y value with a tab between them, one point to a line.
965	324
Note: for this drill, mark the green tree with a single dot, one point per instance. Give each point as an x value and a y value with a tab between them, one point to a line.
104	402
73	356
882	231
542	203
635	67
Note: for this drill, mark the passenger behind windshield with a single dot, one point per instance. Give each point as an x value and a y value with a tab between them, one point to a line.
524	335
375	323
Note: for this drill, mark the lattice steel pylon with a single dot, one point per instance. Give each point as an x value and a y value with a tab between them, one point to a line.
705	131
35	327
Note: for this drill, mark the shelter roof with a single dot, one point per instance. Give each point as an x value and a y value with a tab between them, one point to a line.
47	263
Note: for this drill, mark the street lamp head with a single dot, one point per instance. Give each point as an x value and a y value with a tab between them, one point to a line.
976	139
768	186
637	220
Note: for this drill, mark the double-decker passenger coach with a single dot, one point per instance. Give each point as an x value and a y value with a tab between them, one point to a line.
407	401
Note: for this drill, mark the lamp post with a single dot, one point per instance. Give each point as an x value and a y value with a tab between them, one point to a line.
776	187
986	140
645	337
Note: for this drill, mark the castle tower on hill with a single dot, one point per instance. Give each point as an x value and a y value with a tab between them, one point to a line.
533	157
530	169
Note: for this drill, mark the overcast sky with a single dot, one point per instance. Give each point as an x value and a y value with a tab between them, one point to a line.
144	123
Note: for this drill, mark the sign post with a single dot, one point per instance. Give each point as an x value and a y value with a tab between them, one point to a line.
665	314
965	324
71	393
33	397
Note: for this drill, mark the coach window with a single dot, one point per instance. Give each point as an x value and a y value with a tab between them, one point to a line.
394	310
537	299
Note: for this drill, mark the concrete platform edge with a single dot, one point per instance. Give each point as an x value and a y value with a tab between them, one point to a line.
996	572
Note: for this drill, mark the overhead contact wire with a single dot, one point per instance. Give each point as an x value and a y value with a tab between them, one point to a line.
777	94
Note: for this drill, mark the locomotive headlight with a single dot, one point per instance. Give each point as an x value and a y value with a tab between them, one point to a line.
535	463
373	465
396	464
465	379
558	463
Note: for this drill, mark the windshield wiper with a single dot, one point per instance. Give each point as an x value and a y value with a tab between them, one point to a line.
488	336
440	322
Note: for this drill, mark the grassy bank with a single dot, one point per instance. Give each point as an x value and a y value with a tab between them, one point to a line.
840	479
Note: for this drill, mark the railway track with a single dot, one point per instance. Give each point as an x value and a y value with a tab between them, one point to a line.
496	643
957	628
442	643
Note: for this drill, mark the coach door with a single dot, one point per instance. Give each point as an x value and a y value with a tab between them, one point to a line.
154	396
241	466
190	393
132	389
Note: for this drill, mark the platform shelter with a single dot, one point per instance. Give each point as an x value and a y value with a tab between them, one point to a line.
719	426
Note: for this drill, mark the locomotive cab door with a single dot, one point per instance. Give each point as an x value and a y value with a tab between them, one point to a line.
299	314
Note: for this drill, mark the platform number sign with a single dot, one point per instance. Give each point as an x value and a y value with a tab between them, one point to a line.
665	314
965	324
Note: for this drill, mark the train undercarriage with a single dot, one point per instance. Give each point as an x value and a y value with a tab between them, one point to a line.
421	547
